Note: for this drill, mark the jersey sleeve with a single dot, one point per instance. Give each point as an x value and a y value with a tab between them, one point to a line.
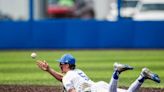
68	81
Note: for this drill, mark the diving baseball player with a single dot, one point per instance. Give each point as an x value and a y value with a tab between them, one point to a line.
75	80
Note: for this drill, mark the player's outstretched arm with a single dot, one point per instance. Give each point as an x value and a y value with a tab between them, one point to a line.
43	65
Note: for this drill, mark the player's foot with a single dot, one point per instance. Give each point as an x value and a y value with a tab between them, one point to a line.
147	74
122	67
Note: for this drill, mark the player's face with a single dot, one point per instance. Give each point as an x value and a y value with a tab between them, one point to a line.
64	67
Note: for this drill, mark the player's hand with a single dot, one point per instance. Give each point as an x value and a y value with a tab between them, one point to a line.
43	65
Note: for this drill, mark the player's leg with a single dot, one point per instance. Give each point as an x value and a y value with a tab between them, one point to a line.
118	69
145	74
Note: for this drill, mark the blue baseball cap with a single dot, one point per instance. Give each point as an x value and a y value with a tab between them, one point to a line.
68	59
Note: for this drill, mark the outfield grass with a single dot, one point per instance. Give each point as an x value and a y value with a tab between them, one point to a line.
17	67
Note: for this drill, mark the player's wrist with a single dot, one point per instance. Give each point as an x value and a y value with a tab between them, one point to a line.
48	69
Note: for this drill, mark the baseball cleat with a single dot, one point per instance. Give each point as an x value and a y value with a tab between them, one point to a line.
147	74
122	67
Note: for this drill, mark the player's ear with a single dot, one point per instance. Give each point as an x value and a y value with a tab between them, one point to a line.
68	66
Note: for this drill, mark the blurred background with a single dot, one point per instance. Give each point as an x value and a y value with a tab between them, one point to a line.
129	31
87	9
81	24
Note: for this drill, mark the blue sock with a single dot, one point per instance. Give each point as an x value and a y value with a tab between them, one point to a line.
116	75
141	79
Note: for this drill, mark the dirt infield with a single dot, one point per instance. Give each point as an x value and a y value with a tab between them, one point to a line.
21	88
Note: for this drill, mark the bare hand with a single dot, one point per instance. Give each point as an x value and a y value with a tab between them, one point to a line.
43	65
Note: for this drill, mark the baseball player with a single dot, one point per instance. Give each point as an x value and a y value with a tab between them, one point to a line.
75	80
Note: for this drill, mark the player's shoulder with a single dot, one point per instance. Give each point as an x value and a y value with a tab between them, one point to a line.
70	74
73	72
78	70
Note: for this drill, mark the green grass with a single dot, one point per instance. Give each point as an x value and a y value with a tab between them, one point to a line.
17	67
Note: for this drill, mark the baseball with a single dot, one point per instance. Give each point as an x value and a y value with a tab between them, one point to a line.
33	55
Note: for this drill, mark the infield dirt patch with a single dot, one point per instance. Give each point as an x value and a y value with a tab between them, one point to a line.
33	88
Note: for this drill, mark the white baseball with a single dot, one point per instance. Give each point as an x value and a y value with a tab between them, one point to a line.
33	55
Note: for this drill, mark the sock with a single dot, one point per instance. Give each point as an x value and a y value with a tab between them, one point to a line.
141	79
116	75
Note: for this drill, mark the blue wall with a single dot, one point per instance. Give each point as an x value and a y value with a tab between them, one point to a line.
81	34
